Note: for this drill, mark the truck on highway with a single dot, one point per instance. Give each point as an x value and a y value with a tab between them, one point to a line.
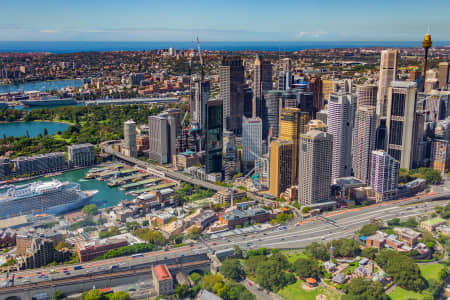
77	268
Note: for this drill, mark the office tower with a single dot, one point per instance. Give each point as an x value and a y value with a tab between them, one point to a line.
322	115
434	105
340	125
305	101
440	155
200	92
381	140
426	44
293	122
315	86
81	155
388	73
364	138
327	88
383	175
285	64
230	160
285	80
162	138
444	78
214	136
400	122
317	125
251	139
281	168
367	95
432	81
271	114
129	141
231	76
262	81
315	163
248	102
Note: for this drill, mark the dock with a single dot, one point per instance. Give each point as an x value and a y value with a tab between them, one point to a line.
106	175
130	186
127	179
155	188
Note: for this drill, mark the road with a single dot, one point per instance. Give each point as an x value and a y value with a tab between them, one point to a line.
168	172
347	223
102	266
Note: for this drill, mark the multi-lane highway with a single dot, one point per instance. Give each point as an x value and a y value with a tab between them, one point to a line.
347	222
344	223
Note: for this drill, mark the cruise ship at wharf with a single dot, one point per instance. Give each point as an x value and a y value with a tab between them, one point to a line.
53	197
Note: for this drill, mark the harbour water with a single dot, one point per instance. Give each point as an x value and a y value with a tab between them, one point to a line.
18	129
106	196
40	86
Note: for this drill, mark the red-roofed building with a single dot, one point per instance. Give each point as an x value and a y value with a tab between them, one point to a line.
162	280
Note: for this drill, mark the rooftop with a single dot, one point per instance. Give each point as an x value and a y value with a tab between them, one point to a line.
434	221
162	272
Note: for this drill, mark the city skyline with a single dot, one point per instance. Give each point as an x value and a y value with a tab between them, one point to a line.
230	21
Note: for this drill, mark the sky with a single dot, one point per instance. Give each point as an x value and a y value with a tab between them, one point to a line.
223	20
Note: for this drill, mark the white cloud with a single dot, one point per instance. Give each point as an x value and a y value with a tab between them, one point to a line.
313	34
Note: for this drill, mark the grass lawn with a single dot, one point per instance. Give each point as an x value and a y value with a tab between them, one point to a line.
293	256
431	271
59	137
401	294
295	291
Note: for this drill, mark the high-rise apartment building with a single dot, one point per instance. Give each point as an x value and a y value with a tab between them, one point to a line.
281	168
293	122
444	78
81	155
251	139
315	163
364	138
40	163
340	125
262	81
129	141
388	73
231	76
384	175
200	92
400	122
214	136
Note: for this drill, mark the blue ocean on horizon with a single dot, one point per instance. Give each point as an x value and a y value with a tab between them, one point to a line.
69	47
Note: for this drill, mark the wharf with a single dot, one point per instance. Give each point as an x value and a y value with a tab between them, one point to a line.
140	183
155	188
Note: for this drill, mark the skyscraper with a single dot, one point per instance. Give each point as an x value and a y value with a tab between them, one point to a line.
129	142
400	122
159	139
271	113
281	168
364	138
317	125
230	159
315	86
316	150
285	80
293	122
367	95
251	139
200	92
262	81
214	136
340	125
444	79
383	175
388	73
231	76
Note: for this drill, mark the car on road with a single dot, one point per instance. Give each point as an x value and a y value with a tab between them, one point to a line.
101	268
281	239
67	273
26	280
214	243
77	268
322	238
137	255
